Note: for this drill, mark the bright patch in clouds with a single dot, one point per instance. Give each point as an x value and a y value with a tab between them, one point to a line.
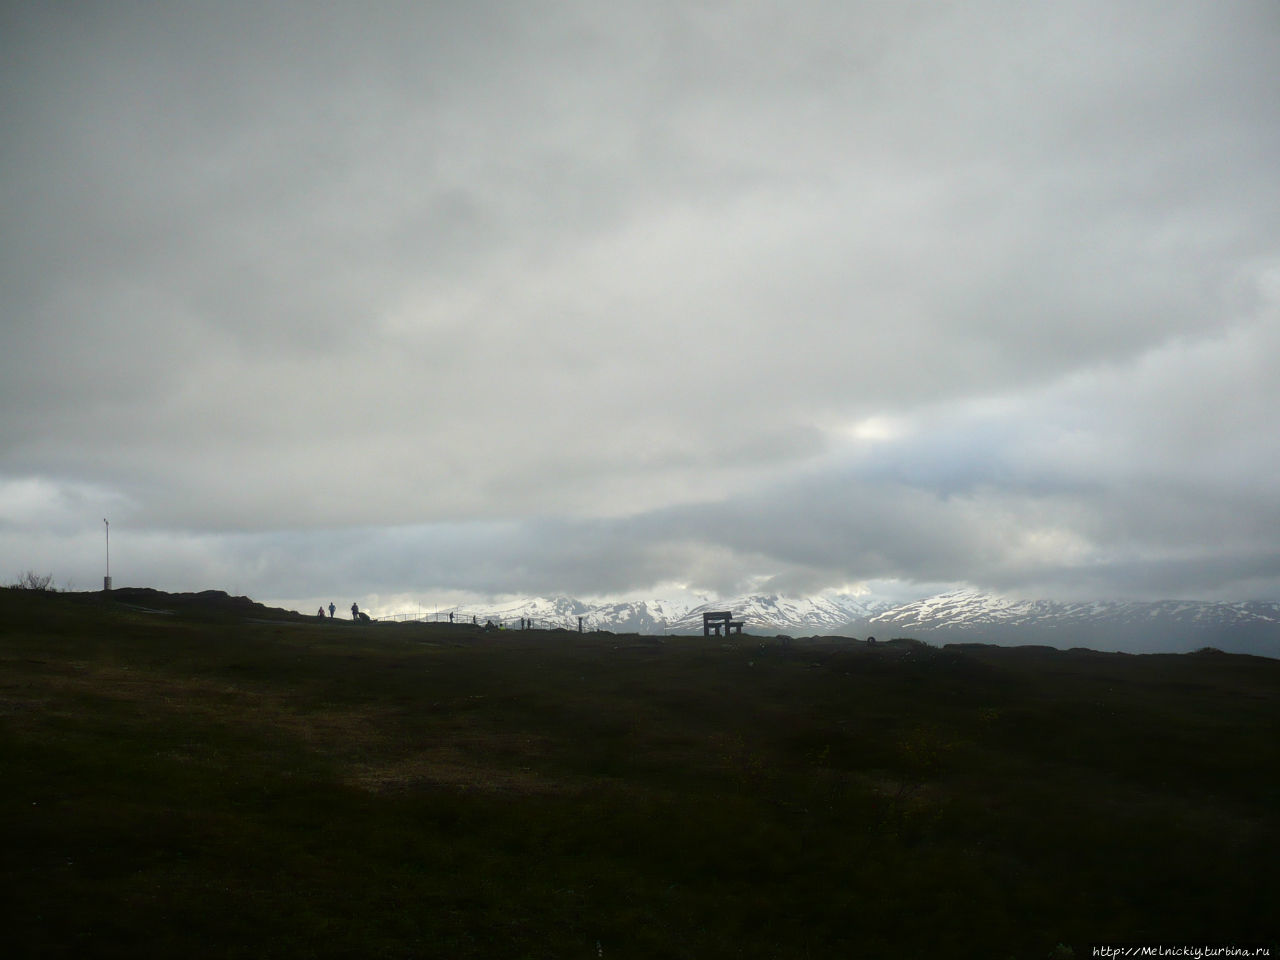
877	429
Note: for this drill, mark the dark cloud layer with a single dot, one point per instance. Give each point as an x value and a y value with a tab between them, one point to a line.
604	299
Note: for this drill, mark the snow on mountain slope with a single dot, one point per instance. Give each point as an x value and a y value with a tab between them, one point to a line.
1130	626
966	609
760	613
636	616
1171	625
628	616
772	613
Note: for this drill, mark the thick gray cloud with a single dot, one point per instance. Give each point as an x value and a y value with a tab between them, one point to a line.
604	298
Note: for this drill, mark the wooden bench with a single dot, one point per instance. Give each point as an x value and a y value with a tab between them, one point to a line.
714	621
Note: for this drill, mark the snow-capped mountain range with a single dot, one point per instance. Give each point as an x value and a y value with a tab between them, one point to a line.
769	614
1131	626
967	610
1167	625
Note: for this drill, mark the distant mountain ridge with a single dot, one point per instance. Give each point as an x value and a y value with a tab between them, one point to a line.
1169	625
820	615
966	610
771	613
1131	626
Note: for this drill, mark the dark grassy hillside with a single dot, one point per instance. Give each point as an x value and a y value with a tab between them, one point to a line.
203	783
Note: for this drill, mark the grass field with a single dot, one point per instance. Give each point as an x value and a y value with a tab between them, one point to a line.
197	783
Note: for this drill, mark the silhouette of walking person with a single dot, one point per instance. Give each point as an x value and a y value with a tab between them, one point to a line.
355	612
331	609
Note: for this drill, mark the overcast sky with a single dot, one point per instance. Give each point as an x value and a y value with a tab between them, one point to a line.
382	301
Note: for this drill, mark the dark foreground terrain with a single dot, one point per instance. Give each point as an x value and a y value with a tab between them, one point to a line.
221	780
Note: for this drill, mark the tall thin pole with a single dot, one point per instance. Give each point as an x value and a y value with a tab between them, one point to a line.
108	526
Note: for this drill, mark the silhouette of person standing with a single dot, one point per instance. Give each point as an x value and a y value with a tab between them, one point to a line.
355	612
331	609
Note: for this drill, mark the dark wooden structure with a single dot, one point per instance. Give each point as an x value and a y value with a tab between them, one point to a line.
714	621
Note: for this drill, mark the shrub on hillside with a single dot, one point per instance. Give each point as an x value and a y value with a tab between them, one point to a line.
34	581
